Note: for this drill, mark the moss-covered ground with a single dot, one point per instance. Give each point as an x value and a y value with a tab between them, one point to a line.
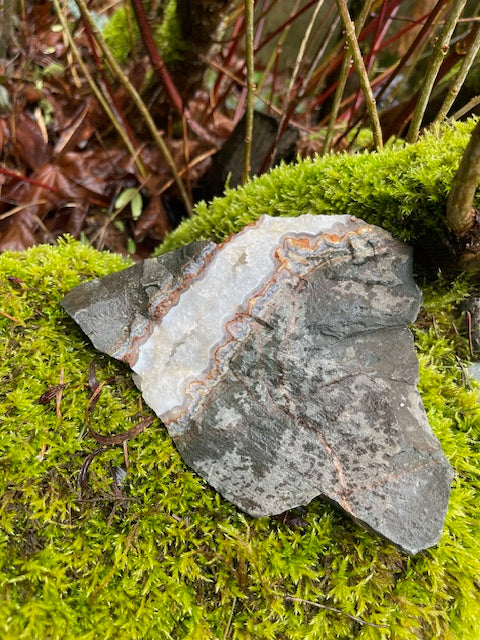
162	555
402	189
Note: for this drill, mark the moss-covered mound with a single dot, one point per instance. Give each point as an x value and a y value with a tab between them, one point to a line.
403	189
164	556
161	555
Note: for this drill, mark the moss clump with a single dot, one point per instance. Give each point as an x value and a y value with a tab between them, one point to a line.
167	557
168	35
122	34
403	189
164	556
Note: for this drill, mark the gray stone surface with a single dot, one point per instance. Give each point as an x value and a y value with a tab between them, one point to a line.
116	311
313	390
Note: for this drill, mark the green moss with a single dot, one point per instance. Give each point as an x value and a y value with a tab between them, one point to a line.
121	33
402	189
168	35
169	558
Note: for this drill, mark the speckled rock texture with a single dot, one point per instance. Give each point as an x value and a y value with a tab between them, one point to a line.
282	365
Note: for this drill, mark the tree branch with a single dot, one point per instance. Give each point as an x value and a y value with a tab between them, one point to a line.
460	208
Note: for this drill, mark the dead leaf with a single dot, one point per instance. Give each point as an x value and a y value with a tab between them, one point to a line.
29	142
51	393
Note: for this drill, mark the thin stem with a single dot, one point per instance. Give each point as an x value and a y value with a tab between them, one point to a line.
440	49
111	93
280	29
460	209
471	104
249	17
361	71
293	91
154	55
139	103
342	81
7	26
98	94
459	79
273	59
303	46
326	43
164	75
427	20
384	22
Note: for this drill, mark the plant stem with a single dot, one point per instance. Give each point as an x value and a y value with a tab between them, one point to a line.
459	79
440	49
100	68
427	21
471	104
139	103
361	71
342	81
7	26
154	55
249	17
294	91
98	94
460	208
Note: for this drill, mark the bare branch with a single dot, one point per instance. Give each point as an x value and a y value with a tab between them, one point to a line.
342	81
440	49
460	210
459	79
136	98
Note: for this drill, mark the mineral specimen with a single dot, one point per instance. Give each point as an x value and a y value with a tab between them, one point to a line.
281	364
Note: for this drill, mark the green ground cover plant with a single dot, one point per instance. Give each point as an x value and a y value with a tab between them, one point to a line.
162	555
403	189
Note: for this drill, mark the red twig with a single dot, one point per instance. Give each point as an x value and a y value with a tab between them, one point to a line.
42	185
7	315
37	183
383	23
163	73
237	31
285	24
421	36
372	25
156	58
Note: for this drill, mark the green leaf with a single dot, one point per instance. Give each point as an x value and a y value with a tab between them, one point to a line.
136	205
125	197
131	246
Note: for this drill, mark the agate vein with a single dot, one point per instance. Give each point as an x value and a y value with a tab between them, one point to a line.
282	366
187	342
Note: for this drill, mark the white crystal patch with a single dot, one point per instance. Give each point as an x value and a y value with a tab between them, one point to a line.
181	346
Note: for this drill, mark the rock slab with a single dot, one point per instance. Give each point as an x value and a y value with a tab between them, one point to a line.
282	366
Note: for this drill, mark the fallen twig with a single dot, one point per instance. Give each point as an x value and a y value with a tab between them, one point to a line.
58	395
7	315
120	438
